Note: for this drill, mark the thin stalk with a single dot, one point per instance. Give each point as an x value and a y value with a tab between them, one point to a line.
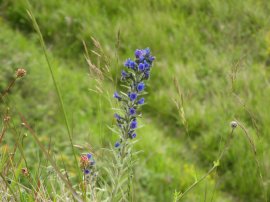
216	164
5	92
36	26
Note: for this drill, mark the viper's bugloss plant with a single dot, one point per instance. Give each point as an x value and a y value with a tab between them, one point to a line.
133	78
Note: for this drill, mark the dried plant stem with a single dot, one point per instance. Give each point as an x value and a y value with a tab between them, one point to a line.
216	164
11	84
3	133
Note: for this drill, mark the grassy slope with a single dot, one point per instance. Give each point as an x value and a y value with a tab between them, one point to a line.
198	43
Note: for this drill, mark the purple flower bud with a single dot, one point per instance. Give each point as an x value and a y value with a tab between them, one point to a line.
132	65
140	87
146	65
147	74
141	101
117	96
117	144
152	58
133	135
138	53
141	58
147	51
87	172
141	67
132	96
133	124
89	156
124	74
132	111
117	116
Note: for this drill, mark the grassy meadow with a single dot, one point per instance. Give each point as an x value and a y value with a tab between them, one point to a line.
211	68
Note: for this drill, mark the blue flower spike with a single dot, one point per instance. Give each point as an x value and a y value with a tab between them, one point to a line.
133	77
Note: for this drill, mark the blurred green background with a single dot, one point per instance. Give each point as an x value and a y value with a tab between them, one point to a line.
219	51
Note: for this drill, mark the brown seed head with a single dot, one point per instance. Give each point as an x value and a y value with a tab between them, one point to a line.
20	73
7	118
25	172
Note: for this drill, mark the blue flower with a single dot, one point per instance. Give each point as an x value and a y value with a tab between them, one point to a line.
147	51
117	116
117	96
117	144
89	156
132	111
130	64
138	53
86	171
141	58
141	67
152	58
141	101
127	63
132	96
124	74
146	65
133	135
133	124
147	74
140	87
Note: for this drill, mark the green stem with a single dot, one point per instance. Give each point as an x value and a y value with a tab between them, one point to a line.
36	26
216	164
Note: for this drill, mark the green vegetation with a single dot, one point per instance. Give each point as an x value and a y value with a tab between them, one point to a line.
218	52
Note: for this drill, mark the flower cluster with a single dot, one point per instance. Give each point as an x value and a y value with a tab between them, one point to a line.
87	163
138	70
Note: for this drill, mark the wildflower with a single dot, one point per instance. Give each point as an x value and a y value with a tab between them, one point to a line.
84	161
89	156
20	73
132	96
146	65
141	58
141	101
117	96
151	59
130	64
233	124
133	124
117	144
147	74
138	53
117	116
140	87
133	135
147	51
124	74
141	67
87	172
132	111
127	63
